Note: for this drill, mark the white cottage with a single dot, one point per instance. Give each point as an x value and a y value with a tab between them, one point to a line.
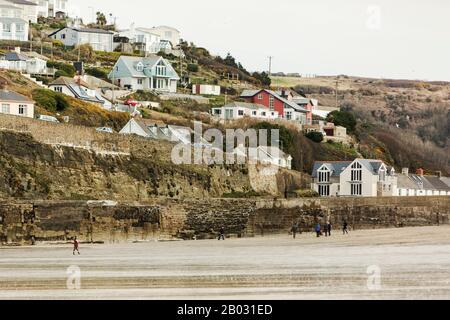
99	39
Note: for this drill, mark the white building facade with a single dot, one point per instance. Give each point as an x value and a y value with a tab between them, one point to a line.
240	110
99	39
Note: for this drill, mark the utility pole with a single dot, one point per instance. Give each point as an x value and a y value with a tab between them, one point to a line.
270	65
337	90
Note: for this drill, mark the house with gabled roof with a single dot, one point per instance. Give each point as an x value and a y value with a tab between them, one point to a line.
145	73
99	39
239	110
419	184
285	106
76	88
358	178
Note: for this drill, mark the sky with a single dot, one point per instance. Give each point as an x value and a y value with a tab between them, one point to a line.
398	39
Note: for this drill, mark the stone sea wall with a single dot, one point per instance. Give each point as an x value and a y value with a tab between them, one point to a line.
22	222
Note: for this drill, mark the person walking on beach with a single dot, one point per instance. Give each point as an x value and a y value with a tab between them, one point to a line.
76	245
294	229
318	230
221	233
325	229
329	228
345	227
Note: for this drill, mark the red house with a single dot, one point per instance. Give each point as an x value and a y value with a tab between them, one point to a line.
282	103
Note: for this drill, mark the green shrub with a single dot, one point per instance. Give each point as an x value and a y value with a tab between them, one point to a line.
65	69
50	100
343	119
315	136
192	67
97	72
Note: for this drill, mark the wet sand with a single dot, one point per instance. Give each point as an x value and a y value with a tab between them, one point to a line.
412	263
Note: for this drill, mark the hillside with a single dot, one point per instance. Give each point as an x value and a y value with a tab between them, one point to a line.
404	122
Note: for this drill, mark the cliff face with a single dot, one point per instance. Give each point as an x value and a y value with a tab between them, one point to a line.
32	170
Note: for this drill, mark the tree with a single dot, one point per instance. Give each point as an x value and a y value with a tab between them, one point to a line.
192	67
263	77
101	19
315	136
343	119
86	51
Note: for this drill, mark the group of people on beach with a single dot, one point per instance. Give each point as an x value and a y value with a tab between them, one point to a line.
319	229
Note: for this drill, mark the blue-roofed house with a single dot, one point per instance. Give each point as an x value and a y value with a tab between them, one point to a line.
358	178
145	73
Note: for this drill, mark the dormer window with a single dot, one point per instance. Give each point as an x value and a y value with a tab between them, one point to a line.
140	67
324	175
161	69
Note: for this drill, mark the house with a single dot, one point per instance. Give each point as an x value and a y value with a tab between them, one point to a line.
29	9
358	178
99	39
58	8
168	33
76	88
416	185
239	110
158	130
145	73
144	38
287	109
329	130
264	155
13	26
206	89
31	63
16	104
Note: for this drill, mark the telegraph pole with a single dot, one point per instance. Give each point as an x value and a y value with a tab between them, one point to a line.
337	90
270	65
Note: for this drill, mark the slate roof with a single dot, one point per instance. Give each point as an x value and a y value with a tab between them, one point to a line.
148	62
238	104
76	89
81	29
292	104
6	95
25	2
336	167
417	182
14	56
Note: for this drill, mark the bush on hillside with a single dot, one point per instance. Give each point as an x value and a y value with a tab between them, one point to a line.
50	100
192	67
97	72
343	119
66	69
315	136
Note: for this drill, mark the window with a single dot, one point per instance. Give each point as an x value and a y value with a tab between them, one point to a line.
140	67
140	81
356	172
263	114
5	108
240	112
58	89
253	113
288	115
260	96
7	27
217	111
20	28
382	175
161	69
356	189
271	102
324	176
22	110
63	36
324	190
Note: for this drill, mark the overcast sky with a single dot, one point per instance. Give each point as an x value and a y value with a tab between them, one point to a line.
376	38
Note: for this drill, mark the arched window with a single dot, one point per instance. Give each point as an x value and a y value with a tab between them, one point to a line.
140	67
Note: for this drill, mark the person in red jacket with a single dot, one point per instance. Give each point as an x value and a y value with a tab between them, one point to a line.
76	245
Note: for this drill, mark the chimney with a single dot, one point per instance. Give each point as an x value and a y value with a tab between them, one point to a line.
420	172
405	171
17	49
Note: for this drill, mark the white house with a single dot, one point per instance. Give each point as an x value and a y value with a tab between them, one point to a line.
206	89
76	88
418	185
358	178
145	73
29	9
266	155
16	104
143	37
167	33
12	25
239	110
99	39
31	63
